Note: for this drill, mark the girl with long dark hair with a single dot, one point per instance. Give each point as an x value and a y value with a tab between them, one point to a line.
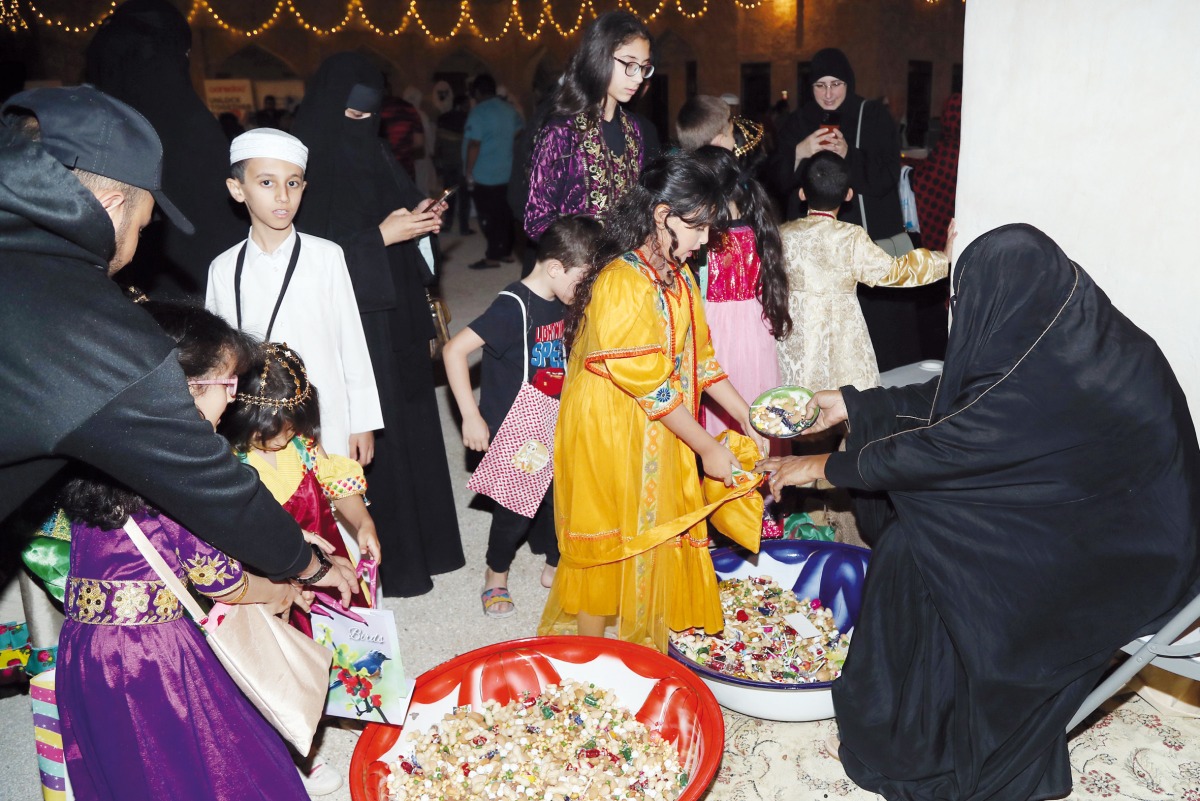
747	292
640	356
147	710
588	151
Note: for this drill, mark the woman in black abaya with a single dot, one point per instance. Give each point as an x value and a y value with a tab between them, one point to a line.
1047	511
359	197
140	56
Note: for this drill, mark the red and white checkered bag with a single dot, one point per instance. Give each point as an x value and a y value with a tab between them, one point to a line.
519	463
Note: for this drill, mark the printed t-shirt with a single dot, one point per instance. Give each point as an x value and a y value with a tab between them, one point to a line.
500	329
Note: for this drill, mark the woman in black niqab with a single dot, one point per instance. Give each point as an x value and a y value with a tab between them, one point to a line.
1047	511
355	191
140	56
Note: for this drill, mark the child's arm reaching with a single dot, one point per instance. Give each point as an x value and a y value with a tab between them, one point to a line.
718	460
874	266
475	432
727	397
353	510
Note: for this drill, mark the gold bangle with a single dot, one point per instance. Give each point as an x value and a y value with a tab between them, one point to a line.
242	594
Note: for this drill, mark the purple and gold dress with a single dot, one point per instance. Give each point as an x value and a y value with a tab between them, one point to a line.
741	337
573	170
147	710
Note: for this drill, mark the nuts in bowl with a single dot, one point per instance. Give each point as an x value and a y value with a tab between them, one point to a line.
780	412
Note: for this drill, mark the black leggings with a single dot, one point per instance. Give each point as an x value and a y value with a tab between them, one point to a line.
510	529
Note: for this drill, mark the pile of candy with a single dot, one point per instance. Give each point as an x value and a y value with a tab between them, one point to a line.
759	645
570	743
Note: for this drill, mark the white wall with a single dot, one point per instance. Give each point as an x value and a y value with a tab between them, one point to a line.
1082	117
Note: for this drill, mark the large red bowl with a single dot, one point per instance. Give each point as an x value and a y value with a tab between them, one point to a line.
668	698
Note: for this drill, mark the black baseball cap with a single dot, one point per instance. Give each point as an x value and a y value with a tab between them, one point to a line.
88	130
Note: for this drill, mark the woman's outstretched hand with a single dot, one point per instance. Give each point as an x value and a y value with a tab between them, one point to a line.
792	471
832	411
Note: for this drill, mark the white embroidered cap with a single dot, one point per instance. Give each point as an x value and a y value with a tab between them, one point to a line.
268	143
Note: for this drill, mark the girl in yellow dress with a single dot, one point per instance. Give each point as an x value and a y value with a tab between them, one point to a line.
627	439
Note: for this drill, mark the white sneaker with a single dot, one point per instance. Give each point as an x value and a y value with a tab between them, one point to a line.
322	779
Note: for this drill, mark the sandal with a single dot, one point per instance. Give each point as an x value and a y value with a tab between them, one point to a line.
494	596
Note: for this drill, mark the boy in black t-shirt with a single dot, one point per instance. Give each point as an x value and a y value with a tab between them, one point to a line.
563	253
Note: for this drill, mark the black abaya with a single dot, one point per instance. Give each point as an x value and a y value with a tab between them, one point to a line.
1047	511
353	183
140	56
906	325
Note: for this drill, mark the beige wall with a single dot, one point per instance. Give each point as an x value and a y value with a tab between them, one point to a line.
1079	118
880	36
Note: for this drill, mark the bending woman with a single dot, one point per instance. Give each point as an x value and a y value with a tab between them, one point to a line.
1005	581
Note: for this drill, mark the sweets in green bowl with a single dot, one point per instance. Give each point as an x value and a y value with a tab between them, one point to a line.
779	412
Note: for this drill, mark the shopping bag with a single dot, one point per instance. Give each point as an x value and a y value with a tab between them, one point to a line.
519	464
47	732
366	678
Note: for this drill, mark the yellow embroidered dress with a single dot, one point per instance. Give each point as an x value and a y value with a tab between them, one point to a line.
643	350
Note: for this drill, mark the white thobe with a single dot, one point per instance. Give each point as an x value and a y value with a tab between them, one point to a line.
318	319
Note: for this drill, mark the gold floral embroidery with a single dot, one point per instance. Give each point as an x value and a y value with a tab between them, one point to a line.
205	571
119	603
606	176
89	600
165	603
129	601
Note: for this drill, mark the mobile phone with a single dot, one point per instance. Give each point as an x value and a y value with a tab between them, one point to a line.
445	195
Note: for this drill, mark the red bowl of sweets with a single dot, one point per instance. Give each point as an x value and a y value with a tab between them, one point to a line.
558	717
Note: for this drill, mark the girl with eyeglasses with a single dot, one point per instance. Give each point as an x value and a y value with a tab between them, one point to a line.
589	151
147	710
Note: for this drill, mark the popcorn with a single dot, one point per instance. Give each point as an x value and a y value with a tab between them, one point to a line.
759	645
571	742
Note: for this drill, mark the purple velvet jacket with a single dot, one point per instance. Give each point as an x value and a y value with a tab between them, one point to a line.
572	171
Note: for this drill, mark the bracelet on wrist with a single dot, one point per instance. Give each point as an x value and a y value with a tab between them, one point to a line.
323	568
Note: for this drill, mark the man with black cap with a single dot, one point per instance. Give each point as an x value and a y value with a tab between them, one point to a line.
85	374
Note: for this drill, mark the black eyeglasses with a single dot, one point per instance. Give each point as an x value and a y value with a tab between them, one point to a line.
633	69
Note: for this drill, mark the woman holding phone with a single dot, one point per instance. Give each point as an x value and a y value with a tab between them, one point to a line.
835	118
588	151
360	197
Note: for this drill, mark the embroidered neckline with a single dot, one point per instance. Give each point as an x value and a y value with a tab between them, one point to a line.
606	177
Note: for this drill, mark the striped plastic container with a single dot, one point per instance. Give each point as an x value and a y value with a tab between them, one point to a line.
47	731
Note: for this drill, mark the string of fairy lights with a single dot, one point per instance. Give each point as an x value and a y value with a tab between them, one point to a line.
19	14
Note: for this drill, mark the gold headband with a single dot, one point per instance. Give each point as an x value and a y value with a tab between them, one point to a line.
752	132
282	354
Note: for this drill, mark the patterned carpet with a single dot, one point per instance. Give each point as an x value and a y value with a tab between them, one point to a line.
1129	751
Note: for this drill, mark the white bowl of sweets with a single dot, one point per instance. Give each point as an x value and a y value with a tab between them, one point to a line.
790	612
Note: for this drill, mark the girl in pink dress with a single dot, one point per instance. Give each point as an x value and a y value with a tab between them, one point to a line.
746	299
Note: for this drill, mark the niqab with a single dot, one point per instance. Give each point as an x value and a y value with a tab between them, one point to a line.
354	182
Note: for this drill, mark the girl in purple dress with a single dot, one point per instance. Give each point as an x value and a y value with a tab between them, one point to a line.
147	710
589	151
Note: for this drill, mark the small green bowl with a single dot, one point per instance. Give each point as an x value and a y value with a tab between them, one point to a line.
770	423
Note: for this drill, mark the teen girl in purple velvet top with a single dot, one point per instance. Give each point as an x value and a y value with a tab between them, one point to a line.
588	150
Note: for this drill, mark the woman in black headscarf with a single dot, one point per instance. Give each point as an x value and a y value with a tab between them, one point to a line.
360	197
836	118
1047	511
140	55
